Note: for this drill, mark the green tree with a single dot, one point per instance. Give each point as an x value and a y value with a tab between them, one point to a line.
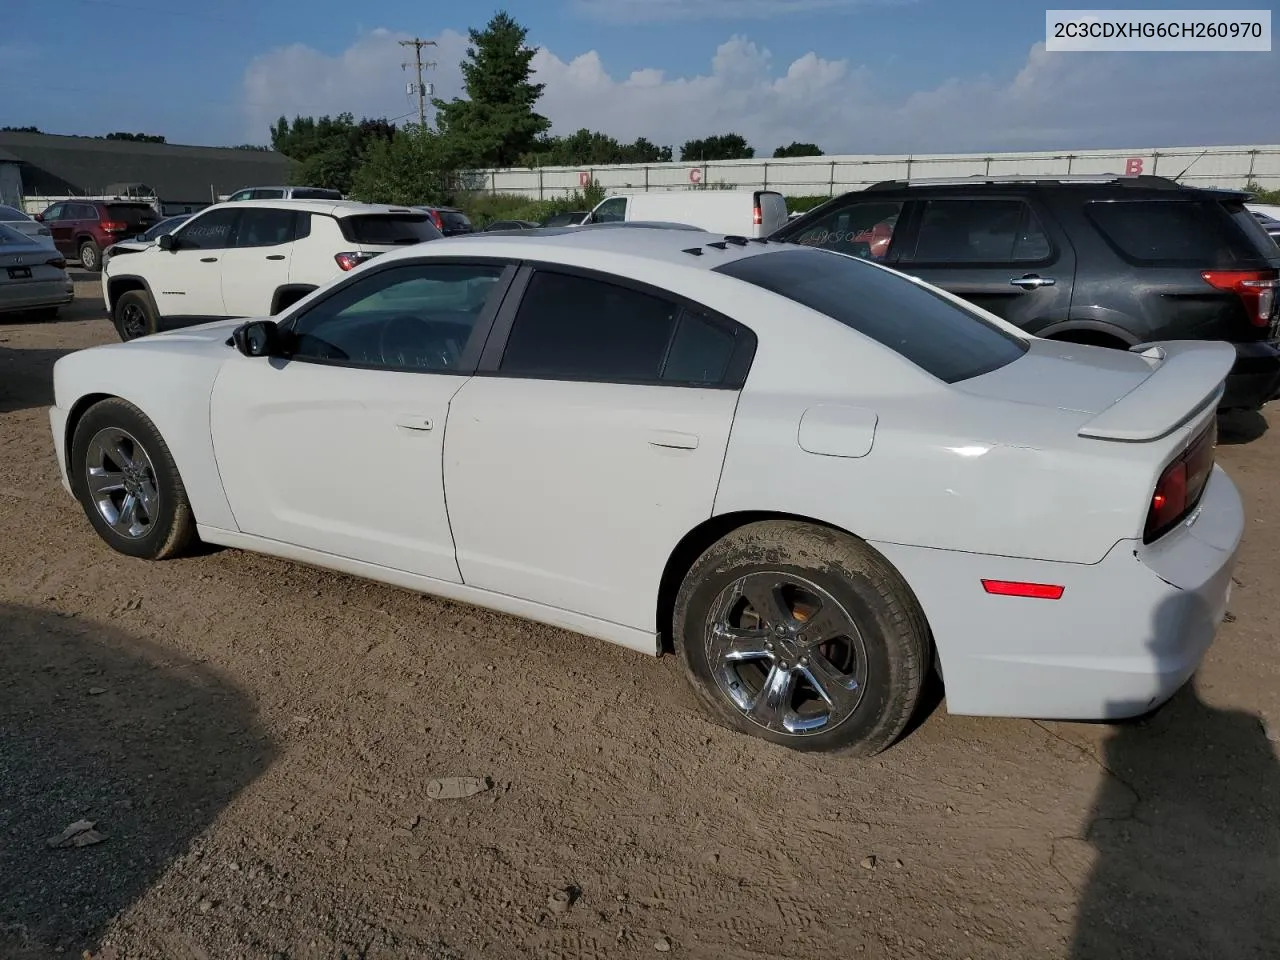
797	149
135	137
497	124
591	148
722	146
413	168
326	152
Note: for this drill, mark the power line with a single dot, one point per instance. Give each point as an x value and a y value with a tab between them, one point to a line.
421	88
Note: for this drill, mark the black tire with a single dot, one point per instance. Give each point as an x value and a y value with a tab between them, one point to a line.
90	256
134	315
887	644
170	527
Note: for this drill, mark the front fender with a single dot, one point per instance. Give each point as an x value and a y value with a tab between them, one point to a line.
172	388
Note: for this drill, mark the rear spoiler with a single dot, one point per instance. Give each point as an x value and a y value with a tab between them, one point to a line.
1186	376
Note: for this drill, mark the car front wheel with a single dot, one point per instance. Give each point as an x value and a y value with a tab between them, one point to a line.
804	636
135	315
128	484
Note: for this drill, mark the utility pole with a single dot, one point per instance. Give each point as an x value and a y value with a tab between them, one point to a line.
420	87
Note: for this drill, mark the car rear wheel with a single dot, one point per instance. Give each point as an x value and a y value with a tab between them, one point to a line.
135	315
804	636
90	256
125	479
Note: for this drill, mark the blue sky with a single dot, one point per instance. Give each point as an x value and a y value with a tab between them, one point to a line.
854	75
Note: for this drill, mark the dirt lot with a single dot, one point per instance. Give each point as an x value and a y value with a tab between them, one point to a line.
254	739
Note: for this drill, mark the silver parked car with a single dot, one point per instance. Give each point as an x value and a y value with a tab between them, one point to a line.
25	224
33	276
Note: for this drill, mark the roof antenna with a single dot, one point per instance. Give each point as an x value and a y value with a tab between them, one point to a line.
1188	167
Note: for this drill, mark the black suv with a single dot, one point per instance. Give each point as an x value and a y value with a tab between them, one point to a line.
1113	261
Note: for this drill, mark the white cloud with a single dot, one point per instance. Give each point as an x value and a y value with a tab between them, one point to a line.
1055	100
634	11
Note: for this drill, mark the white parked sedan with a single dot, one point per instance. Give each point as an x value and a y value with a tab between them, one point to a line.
814	477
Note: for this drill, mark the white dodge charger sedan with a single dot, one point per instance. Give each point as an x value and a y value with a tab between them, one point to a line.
814	478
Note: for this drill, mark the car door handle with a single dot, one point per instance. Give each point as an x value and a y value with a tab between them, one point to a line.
415	423
276	256
208	259
1032	282
673	440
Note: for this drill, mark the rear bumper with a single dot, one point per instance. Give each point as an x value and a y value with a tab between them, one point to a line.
1255	378
1127	633
36	296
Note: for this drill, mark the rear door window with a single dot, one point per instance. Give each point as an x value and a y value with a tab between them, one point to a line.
455	220
940	337
995	230
264	227
863	229
610	211
1172	232
387	229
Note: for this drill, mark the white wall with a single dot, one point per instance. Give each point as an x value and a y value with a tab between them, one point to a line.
1209	166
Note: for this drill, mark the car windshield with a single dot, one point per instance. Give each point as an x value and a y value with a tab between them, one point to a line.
942	338
11	214
10	237
165	226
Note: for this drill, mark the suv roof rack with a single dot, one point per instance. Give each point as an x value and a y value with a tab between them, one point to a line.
1136	180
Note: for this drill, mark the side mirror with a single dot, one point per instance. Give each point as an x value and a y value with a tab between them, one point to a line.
258	338
167	242
38	217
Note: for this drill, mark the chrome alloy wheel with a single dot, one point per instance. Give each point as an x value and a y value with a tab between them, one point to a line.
122	482
786	653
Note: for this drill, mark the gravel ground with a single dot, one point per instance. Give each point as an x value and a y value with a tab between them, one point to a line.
255	741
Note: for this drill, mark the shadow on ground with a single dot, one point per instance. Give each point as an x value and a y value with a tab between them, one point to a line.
1241	426
26	378
101	726
1185	837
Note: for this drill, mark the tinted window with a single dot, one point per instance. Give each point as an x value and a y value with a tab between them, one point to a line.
415	317
455	220
55	212
700	351
264	227
242	195
165	226
938	336
610	211
389	228
10	237
980	231
1173	232
209	231
134	214
307	193
11	213
1254	226
574	328
861	229
83	211
268	194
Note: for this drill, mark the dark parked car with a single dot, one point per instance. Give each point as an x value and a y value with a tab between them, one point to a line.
571	219
1114	261
82	229
511	225
449	221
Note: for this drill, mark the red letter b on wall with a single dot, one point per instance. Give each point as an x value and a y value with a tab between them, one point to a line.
1133	167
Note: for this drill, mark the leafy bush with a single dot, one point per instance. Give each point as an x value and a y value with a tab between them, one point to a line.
484	208
1260	195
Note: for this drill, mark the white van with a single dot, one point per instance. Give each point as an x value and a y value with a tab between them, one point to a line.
742	213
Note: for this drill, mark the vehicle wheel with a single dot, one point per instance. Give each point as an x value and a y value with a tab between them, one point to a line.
90	256
126	480
135	315
803	636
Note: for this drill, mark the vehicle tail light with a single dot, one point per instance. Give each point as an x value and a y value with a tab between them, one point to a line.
1181	485
436	219
58	262
1257	288
1018	588
114	226
352	259
757	215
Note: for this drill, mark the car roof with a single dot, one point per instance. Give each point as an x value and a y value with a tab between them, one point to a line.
332	208
1109	183
583	245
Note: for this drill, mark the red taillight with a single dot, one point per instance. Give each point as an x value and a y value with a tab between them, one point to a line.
1257	288
351	260
757	217
114	226
1179	488
1018	588
58	262
435	218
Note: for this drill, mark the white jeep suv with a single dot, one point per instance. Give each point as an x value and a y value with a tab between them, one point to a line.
250	259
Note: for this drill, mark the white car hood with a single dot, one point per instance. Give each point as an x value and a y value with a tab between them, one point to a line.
1064	376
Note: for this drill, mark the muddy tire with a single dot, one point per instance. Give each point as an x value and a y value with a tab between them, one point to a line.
803	636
